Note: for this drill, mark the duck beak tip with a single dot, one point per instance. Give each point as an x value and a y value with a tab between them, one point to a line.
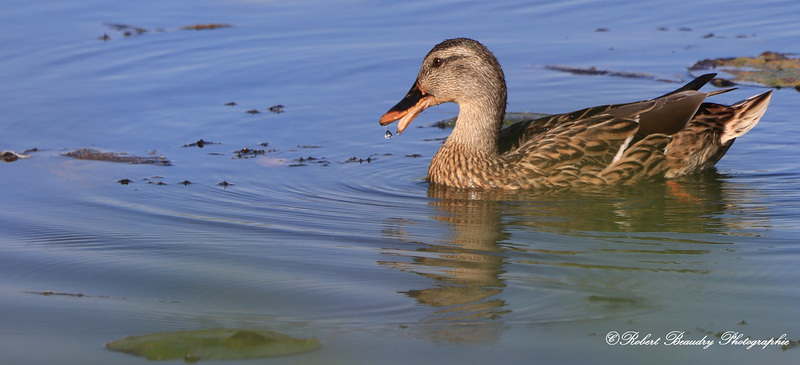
408	108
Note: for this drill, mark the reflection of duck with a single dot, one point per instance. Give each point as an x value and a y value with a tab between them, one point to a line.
697	204
670	136
508	257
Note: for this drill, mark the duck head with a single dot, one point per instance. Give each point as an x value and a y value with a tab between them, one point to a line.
459	70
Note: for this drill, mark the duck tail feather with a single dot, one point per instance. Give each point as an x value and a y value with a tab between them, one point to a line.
695	84
747	113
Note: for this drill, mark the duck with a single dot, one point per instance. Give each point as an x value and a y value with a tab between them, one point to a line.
673	135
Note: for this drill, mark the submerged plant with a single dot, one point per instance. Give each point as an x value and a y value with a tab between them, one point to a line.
218	344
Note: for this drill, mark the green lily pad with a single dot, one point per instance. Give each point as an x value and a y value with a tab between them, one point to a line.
768	69
218	344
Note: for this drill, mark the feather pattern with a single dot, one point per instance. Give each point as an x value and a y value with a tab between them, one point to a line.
672	135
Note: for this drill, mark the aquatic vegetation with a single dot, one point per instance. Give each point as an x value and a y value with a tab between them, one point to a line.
771	69
217	344
593	71
249	152
305	161
128	30
125	29
92	154
359	160
205	26
199	144
11	156
50	292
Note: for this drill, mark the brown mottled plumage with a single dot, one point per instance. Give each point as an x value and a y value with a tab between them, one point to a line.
673	135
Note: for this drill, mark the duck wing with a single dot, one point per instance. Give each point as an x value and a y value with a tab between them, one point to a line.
516	134
670	114
569	152
591	151
607	149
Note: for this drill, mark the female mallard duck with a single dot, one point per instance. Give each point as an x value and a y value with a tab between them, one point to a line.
673	135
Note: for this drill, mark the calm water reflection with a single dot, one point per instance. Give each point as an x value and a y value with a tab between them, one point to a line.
366	257
648	229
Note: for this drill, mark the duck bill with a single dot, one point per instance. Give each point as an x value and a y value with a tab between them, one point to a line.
409	108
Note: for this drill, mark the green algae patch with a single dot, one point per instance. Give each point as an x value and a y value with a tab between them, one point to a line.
217	344
770	69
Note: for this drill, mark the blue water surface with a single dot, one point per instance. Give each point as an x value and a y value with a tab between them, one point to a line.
331	232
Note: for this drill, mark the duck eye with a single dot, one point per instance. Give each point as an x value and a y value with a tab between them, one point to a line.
437	62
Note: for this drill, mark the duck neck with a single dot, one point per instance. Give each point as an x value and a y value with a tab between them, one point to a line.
469	157
478	127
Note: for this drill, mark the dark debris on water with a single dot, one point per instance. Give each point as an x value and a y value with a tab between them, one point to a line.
277	108
361	160
154	180
11	156
50	292
199	144
250	152
127	30
207	26
593	71
305	161
96	155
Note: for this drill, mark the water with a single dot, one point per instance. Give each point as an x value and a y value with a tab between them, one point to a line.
308	223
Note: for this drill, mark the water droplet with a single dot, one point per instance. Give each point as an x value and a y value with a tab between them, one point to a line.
388	134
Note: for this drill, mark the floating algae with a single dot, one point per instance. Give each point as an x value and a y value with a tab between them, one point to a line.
217	344
92	154
593	71
128	30
11	156
207	26
768	69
